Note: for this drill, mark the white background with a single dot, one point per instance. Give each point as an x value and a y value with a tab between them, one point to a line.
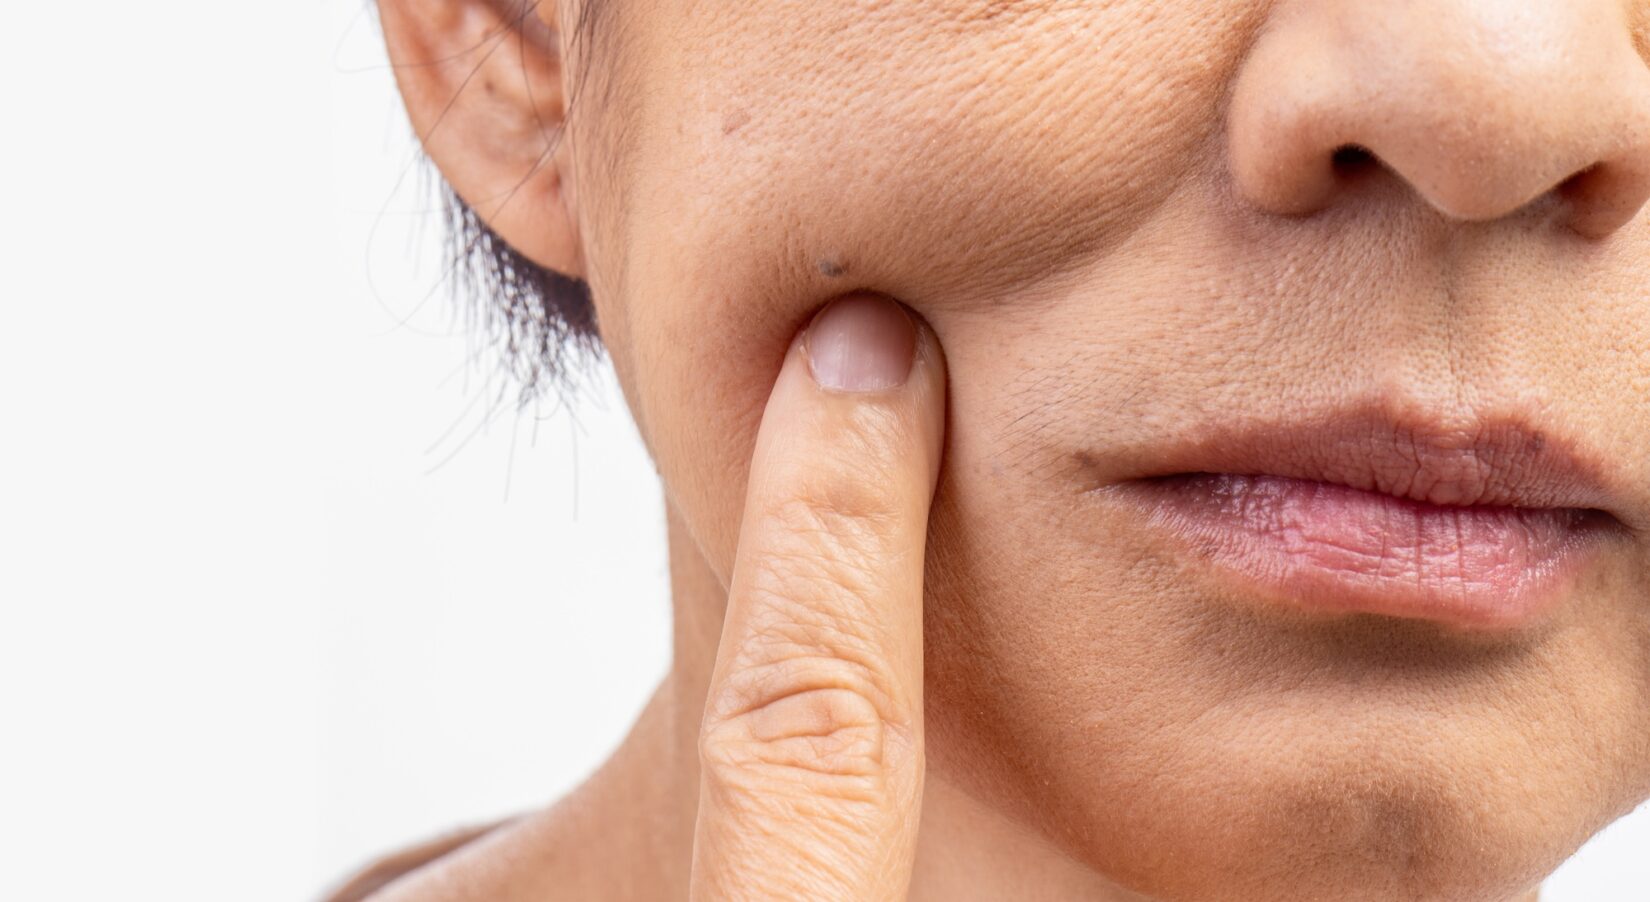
281	586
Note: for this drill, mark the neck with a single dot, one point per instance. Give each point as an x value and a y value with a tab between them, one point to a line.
640	806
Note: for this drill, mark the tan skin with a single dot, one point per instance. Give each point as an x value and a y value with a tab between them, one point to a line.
1111	222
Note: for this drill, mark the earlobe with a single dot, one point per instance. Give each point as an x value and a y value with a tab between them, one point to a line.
483	85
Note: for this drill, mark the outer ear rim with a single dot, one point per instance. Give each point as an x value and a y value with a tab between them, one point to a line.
484	91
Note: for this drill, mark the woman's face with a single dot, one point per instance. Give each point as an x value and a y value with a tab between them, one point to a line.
1129	227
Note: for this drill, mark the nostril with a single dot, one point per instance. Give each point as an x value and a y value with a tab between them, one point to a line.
1351	157
1574	183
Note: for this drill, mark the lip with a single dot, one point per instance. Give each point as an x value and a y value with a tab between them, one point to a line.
1482	524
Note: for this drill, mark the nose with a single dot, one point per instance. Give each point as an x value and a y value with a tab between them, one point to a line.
1480	106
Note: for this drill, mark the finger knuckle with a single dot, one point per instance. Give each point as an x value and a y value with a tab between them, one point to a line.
814	724
849	474
839	510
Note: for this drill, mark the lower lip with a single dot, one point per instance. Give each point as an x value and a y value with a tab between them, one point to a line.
1333	548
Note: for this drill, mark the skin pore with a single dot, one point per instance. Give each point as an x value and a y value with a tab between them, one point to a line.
1123	220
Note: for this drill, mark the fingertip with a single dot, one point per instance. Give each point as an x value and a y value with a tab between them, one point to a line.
866	364
861	342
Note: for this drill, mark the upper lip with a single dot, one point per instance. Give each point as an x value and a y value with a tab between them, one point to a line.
1502	460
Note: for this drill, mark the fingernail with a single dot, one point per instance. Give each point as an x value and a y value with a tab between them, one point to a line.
862	342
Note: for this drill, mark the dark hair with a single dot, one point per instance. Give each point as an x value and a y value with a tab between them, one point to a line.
542	323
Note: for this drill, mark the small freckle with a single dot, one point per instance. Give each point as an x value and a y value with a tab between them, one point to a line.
735	120
832	268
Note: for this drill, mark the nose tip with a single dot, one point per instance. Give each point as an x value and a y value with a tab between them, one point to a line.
1480	108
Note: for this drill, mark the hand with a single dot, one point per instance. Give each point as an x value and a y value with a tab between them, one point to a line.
812	741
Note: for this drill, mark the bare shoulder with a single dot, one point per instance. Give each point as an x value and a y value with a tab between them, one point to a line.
386	870
619	836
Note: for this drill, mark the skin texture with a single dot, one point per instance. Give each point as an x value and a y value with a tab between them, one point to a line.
1120	220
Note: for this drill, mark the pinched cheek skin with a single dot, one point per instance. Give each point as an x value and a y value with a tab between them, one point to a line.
941	156
929	151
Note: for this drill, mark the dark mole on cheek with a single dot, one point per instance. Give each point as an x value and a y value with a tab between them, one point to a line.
832	268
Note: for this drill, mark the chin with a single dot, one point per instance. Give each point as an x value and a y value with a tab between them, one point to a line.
1360	814
1300	799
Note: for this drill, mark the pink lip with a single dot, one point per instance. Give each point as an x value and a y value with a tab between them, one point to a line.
1476	523
1334	548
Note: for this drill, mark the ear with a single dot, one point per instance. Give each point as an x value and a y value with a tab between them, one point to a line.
483	84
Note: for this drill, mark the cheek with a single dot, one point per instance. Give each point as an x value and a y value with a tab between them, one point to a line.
922	151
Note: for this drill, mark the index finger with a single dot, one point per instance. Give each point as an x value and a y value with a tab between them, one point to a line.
811	746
